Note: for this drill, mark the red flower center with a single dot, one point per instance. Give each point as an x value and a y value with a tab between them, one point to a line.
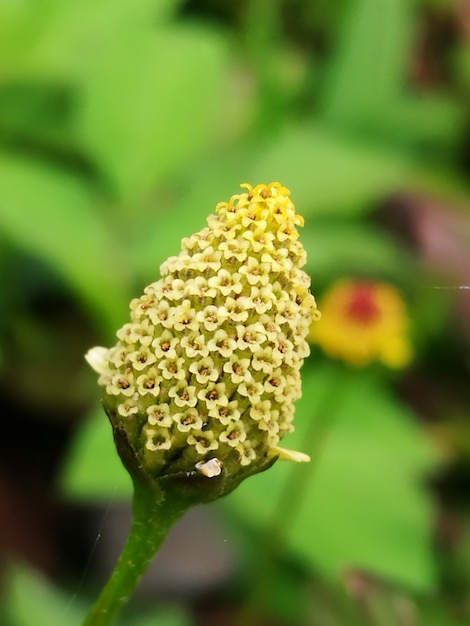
362	306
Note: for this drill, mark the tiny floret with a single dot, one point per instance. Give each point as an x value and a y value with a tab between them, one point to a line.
96	358
205	375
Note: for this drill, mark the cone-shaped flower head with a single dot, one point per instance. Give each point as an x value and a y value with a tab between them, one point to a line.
364	321
205	375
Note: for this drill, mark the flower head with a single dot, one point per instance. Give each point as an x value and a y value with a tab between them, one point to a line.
363	321
204	376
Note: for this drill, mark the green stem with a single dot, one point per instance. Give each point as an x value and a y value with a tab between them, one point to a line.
153	515
263	26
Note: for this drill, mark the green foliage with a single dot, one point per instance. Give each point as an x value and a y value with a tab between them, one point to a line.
133	116
94	447
334	245
367	92
330	173
366	56
30	600
51	214
362	505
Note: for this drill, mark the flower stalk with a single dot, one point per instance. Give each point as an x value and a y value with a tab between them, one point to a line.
152	517
201	385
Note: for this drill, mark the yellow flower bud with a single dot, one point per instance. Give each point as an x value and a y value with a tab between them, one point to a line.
204	377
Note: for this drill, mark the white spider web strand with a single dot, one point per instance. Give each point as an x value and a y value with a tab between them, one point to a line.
93	549
449	287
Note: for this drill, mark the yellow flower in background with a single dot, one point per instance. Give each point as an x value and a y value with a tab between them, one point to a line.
363	321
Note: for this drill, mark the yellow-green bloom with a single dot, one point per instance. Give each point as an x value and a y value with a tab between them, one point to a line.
364	321
205	375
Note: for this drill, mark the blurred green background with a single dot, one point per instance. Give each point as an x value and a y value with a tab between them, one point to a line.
122	124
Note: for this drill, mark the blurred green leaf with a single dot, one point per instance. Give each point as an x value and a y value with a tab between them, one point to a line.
52	215
367	86
435	613
149	103
326	174
329	173
332	605
76	33
30	600
171	616
371	62
433	123
339	248
364	505
284	595
37	113
461	62
185	210
93	468
22	24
